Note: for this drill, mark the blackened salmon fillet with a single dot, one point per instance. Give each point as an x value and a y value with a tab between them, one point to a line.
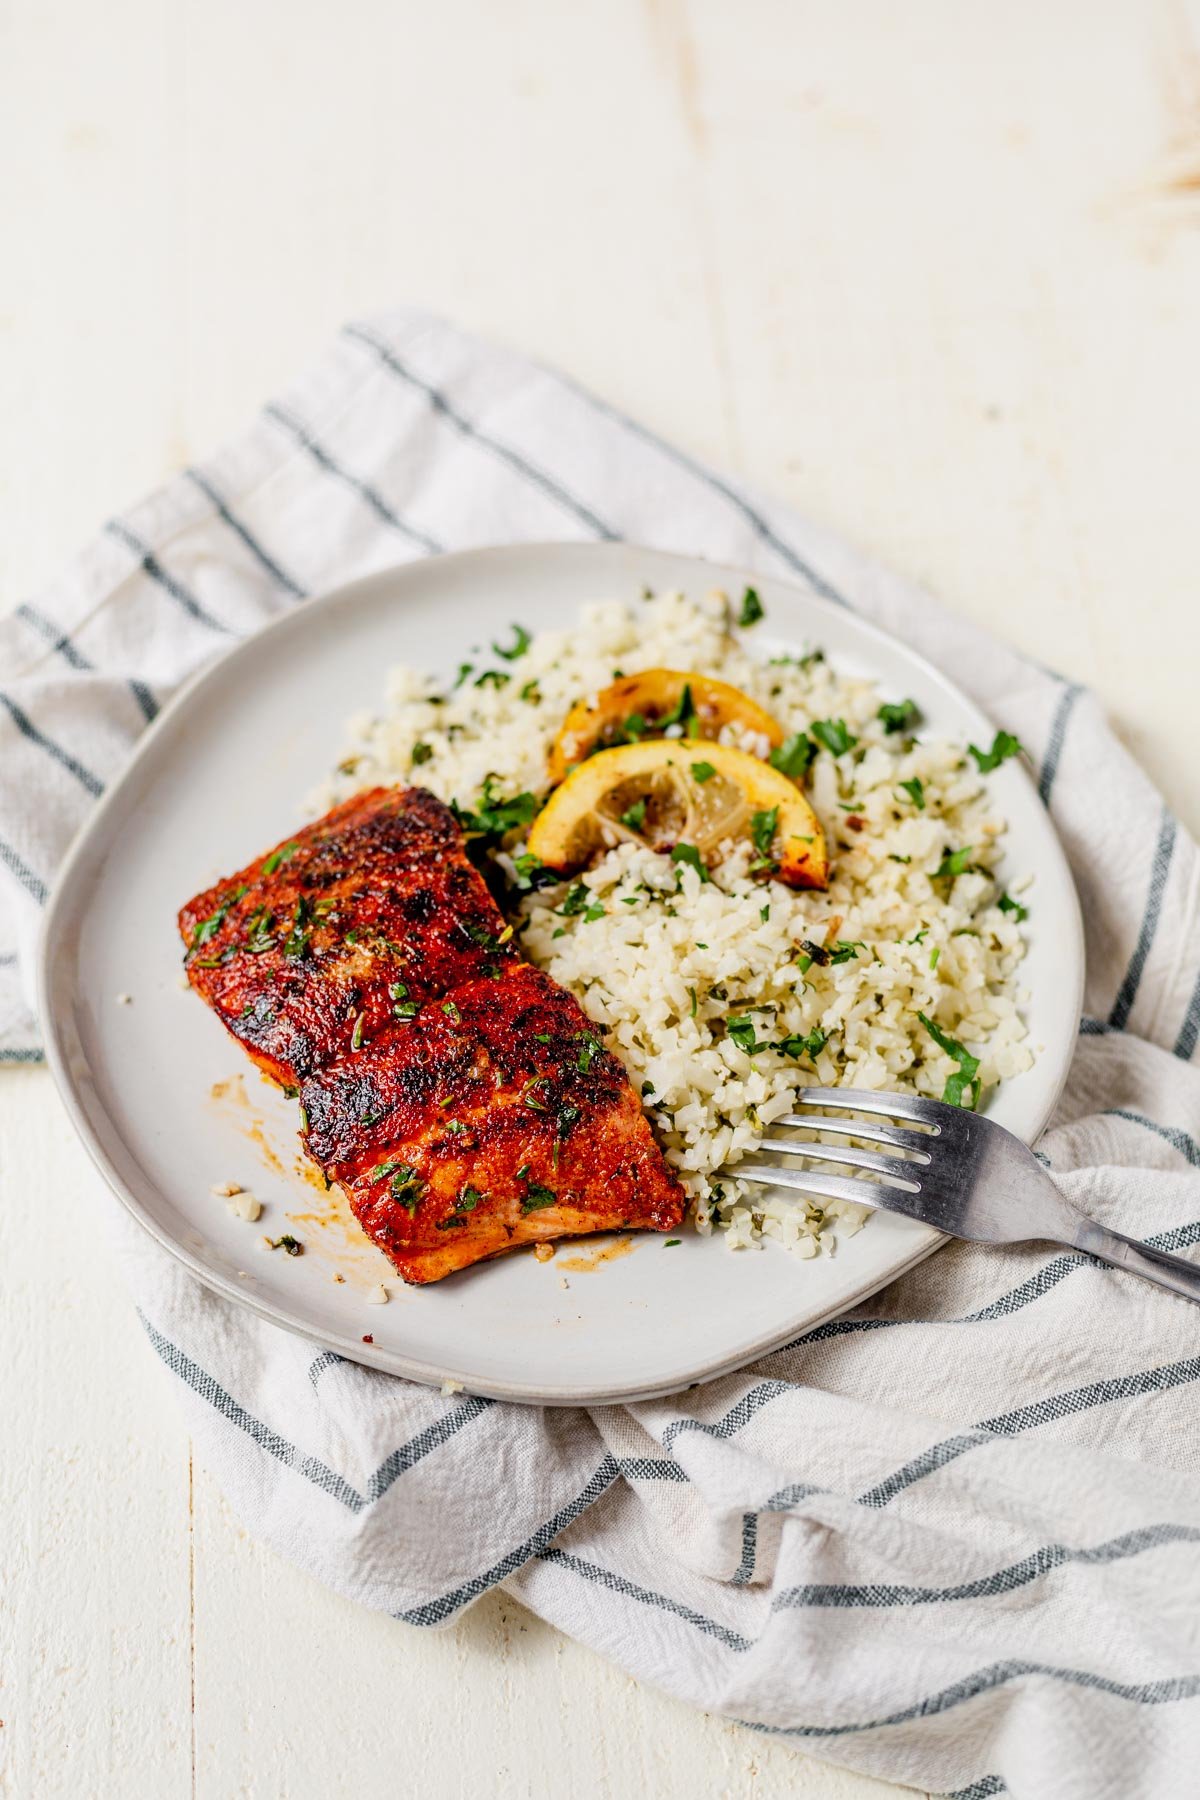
462	1099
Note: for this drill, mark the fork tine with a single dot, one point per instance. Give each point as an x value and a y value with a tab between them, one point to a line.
894	1166
826	1187
900	1106
871	1133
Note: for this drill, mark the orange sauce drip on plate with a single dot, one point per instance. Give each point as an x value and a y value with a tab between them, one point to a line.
595	1259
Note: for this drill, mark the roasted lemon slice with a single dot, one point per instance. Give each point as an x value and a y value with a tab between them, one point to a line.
642	706
671	792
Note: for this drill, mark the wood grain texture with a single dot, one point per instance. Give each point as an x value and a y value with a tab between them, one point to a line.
930	273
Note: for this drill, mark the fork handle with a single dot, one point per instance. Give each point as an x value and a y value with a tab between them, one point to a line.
1174	1272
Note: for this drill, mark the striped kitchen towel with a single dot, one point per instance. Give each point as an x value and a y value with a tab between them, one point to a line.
952	1538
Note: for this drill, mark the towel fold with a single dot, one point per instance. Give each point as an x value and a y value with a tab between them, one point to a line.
951	1539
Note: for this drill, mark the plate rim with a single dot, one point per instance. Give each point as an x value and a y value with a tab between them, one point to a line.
50	980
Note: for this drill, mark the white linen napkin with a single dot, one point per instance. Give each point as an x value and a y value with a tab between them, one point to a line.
950	1539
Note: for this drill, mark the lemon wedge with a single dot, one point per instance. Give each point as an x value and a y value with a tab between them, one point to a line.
642	706
673	792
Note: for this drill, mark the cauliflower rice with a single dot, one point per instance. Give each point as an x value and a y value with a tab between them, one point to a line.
699	985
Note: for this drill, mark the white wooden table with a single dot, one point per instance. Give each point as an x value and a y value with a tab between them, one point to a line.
932	272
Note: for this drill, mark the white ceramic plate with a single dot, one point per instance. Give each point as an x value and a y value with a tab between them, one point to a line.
168	1105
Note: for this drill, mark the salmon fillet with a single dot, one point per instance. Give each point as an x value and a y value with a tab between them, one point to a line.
462	1099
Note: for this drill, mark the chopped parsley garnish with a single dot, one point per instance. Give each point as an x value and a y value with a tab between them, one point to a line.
579	902
954	861
301	932
834	735
752	608
793	755
671	1243
1004	745
451	1011
741	1031
520	644
464	669
846	952
407	1187
892	857
680	713
763	826
526	869
692	992
531	692
764	912
963	1088
495	817
688	853
468	1200
279	856
589	1049
527	1092
496	678
541	1037
259	933
934	956
632	731
287	1242
647	1090
421	753
536	1197
898	715
1007	904
703	771
796	1044
635	816
568	1118
915	789
208	928
357	1035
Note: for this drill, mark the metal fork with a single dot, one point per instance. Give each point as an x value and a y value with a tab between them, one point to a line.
961	1173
